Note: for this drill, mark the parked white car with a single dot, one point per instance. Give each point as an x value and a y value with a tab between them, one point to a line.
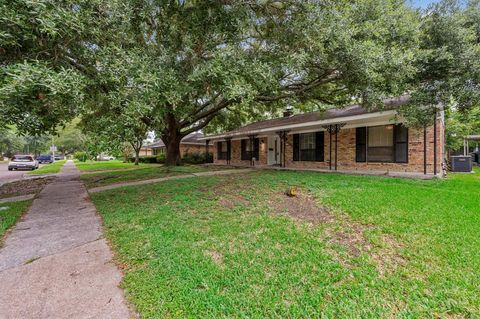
23	162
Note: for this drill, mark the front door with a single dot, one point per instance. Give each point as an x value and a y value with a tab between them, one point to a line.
273	150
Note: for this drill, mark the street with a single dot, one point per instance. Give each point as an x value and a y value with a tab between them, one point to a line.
8	176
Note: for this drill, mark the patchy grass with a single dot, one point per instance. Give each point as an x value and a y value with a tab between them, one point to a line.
90	166
10	213
149	172
24	187
49	168
225	246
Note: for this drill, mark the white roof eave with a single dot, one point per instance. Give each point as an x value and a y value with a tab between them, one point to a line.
345	119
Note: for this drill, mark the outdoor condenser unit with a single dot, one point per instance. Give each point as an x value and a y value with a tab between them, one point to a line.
461	163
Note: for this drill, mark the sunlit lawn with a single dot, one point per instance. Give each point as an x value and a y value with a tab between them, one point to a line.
218	247
52	168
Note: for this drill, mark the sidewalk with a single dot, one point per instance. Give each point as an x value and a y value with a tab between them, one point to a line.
55	263
169	178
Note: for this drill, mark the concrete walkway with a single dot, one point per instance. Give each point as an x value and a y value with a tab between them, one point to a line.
55	263
16	198
169	178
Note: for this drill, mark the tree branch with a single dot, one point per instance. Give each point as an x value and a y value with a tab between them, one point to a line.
200	125
221	105
299	88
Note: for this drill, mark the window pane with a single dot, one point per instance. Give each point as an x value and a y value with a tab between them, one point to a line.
248	146
380	143
380	136
307	155
223	146
307	141
380	154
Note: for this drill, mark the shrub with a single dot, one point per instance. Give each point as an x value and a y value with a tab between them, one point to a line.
81	156
151	159
194	158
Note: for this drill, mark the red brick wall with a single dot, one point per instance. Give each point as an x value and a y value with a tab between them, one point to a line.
193	148
236	156
184	149
346	153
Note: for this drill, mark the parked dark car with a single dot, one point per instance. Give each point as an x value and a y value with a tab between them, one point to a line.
45	159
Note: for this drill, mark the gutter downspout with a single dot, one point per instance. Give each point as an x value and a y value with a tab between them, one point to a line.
435	145
424	149
330	152
336	143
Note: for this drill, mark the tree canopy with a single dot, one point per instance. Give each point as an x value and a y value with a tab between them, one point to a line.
177	66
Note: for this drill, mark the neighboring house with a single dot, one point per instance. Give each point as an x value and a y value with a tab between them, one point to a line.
349	139
190	144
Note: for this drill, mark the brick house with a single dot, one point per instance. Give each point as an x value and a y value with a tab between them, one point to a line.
190	144
349	139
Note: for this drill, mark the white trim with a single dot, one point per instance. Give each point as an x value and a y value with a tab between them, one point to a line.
307	124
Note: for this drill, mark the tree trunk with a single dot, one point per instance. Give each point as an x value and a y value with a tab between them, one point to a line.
173	152
137	156
172	137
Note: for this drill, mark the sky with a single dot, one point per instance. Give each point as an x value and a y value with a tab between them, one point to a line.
422	3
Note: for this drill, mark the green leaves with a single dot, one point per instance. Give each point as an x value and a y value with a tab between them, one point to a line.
37	98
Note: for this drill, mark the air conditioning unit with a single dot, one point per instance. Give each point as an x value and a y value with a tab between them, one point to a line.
461	163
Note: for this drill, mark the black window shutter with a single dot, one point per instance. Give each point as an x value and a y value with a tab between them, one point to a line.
319	146
361	144
401	143
244	150
256	148
296	147
229	149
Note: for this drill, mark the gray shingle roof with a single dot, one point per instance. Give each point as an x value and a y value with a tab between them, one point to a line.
191	138
317	116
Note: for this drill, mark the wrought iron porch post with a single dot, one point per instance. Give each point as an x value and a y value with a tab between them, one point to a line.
229	149
252	149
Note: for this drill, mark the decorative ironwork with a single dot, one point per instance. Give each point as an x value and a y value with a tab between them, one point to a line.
252	149
283	146
229	149
333	129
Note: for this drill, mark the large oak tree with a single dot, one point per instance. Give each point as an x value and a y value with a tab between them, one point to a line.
188	63
201	58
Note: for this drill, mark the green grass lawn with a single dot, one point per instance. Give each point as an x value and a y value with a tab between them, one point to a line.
345	247
49	168
148	171
108	165
10	213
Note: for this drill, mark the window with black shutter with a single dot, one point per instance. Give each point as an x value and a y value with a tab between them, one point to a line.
249	149
361	144
383	144
401	144
308	147
222	150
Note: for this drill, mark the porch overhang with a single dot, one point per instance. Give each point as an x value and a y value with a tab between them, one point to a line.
368	119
